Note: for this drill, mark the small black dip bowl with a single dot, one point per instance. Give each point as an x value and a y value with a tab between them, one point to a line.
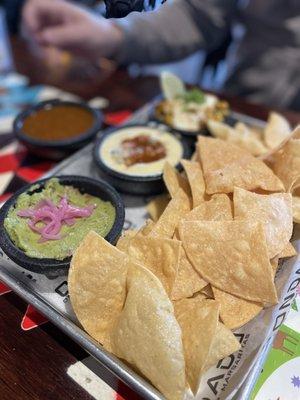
49	266
56	149
137	185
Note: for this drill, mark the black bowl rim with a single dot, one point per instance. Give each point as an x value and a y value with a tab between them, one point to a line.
133	178
22	136
43	265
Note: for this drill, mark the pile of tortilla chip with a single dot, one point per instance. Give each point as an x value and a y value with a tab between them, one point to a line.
285	162
168	296
256	141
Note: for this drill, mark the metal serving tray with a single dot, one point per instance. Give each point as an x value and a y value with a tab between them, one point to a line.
49	294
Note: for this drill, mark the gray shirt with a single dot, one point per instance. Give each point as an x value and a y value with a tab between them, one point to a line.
264	59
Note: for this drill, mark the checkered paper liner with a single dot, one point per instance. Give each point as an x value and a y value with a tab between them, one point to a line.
226	379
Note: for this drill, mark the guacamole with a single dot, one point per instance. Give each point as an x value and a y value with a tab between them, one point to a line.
101	221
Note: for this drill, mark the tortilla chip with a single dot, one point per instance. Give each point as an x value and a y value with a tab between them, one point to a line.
274	211
124	240
232	256
174	181
224	343
287	163
288	251
226	165
176	235
295	188
161	256
268	157
219	130
234	311
276	130
196	181
241	135
207	291
249	139
296	209
218	208
97	286
195	156
246	130
146	228
274	263
174	212
157	206
148	336
198	320
187	281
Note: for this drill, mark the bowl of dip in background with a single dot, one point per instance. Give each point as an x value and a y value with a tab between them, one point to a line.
132	157
55	128
29	249
188	115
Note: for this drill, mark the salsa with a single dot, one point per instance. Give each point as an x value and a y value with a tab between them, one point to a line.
92	213
58	122
142	149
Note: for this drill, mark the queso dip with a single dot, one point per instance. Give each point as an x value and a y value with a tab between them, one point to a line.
140	151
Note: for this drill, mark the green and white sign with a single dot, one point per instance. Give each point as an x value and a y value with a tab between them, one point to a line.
280	377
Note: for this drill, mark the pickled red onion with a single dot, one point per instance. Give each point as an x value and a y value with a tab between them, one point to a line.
53	217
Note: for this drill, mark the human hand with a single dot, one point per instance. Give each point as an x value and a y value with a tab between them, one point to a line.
67	27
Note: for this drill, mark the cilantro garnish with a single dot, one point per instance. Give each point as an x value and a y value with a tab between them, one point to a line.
194	96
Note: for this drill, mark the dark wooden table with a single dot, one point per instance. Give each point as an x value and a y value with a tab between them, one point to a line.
33	364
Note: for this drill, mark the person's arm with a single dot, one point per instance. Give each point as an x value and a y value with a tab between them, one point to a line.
176	30
172	32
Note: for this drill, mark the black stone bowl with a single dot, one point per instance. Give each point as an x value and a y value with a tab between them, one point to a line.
137	185
49	266
58	149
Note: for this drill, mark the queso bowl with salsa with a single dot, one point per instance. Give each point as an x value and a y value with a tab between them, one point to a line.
54	128
42	224
133	156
